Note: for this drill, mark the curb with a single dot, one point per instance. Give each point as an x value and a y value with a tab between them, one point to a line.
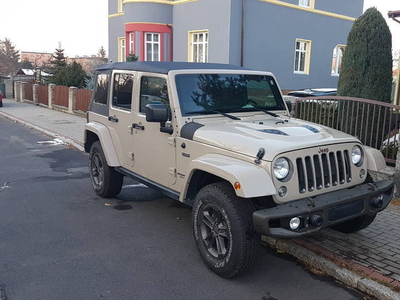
333	269
68	141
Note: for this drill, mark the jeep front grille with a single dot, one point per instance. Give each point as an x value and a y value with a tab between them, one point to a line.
323	170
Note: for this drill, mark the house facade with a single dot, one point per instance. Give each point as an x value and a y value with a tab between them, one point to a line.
38	59
300	41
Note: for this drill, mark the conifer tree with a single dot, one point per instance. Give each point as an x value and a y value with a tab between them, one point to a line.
367	61
102	54
132	57
58	60
9	57
70	75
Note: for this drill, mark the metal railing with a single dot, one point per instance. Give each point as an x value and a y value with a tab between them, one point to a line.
375	123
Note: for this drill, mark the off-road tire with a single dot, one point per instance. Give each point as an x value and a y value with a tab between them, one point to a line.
105	180
355	224
221	218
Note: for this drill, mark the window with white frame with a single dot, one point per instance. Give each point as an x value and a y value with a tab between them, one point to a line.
131	43
199	46
306	3
338	52
152	50
302	56
121	49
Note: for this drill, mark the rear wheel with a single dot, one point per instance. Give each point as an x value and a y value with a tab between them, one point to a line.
223	230
105	180
355	224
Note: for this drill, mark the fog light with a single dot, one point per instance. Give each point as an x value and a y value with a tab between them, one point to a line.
294	223
362	173
282	191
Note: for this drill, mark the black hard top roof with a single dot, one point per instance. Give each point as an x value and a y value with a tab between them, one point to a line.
164	67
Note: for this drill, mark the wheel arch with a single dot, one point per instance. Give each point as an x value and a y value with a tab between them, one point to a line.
375	159
211	168
98	132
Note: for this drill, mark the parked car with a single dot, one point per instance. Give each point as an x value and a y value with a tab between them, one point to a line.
313	92
220	139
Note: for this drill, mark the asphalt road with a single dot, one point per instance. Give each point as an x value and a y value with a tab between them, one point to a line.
58	240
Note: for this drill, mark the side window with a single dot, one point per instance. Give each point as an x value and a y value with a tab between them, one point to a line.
153	89
101	90
122	91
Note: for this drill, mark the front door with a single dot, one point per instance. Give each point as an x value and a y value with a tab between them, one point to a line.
120	117
154	150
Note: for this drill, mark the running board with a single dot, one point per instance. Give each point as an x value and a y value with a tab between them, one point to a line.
158	187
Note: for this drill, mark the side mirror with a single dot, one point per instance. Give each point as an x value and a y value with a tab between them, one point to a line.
289	105
159	112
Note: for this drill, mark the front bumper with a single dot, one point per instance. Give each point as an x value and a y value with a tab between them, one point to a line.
334	207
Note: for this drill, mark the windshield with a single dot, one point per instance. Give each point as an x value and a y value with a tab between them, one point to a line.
227	93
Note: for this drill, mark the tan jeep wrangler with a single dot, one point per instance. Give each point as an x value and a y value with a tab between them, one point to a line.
220	138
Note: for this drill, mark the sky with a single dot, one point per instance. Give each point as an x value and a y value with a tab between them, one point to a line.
82	25
384	6
39	25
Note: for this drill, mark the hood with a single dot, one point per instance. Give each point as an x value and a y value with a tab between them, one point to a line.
275	135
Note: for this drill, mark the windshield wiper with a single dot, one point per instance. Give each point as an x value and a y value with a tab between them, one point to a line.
255	109
208	112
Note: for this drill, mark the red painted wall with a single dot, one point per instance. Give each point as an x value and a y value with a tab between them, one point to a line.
149	28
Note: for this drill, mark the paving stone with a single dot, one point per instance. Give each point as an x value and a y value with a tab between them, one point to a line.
384	271
396	276
392	269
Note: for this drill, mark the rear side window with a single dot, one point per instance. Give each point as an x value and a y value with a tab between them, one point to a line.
122	92
101	90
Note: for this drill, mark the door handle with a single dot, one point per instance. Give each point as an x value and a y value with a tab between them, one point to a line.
137	126
112	119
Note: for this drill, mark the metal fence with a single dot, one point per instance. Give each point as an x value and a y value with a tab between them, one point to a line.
375	123
83	99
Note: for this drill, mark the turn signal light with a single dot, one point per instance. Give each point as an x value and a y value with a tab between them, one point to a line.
237	186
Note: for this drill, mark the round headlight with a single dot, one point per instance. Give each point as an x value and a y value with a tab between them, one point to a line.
281	168
356	155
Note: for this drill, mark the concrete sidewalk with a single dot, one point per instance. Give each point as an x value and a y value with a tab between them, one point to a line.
53	123
368	260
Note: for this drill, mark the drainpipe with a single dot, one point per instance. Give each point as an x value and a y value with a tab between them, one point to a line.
242	38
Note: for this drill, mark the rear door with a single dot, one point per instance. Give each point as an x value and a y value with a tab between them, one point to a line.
120	116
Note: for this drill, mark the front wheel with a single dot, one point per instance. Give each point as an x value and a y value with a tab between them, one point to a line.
105	180
355	224
223	230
